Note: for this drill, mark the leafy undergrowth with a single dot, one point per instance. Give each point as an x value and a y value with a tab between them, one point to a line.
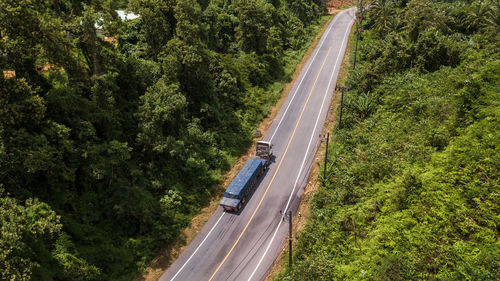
414	182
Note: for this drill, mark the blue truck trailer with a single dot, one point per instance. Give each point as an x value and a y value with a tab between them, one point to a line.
237	192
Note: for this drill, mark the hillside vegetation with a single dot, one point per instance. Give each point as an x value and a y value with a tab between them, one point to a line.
114	133
413	188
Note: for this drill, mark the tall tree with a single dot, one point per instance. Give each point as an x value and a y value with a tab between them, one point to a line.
157	22
255	20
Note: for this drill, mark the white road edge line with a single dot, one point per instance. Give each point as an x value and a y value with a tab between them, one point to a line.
323	39
303	162
208	234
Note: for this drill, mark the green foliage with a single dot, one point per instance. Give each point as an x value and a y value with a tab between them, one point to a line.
255	17
306	10
157	23
413	185
32	242
115	133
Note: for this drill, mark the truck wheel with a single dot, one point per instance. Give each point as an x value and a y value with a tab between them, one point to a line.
243	200
238	207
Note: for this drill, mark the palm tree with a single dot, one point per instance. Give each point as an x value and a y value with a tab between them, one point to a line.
384	14
478	15
364	105
493	17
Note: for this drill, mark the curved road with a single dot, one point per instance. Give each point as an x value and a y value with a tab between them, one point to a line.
243	246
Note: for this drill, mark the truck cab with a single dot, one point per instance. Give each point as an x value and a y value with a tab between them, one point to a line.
264	150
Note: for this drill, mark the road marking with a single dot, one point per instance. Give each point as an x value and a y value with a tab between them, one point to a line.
179	271
277	169
323	39
303	162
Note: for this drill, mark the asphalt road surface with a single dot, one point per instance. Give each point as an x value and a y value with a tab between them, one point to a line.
243	246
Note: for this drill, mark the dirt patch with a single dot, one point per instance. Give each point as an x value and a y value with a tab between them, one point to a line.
333	11
335	6
9	74
304	210
166	256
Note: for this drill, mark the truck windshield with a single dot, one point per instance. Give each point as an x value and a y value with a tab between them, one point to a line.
262	148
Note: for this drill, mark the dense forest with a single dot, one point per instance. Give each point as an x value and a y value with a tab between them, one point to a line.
115	132
412	190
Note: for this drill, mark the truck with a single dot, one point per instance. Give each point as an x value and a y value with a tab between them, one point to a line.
237	192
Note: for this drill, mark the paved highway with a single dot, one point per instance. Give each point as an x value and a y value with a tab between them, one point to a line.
243	246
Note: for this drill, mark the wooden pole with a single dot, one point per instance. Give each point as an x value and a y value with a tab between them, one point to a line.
326	159
290	239
341	106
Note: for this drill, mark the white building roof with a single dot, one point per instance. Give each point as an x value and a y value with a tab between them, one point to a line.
124	15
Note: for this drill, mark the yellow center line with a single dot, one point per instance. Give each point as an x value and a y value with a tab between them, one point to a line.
277	169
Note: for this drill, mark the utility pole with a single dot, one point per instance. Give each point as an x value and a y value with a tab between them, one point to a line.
356	51
326	156
342	89
290	239
361	12
326	139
